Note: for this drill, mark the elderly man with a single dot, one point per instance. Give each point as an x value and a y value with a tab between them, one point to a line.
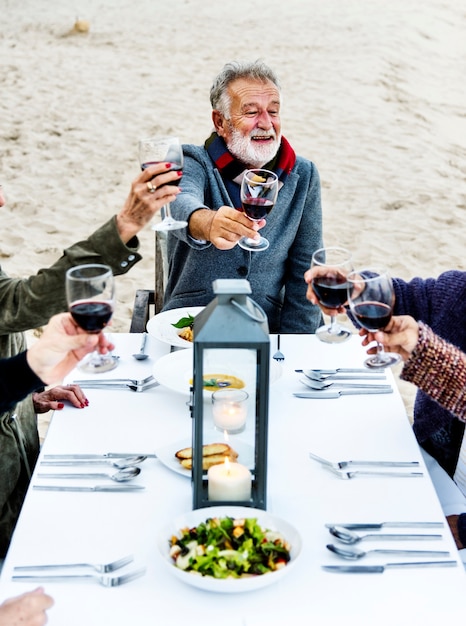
246	104
30	302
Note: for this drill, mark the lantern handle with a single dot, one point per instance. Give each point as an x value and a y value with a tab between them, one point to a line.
256	318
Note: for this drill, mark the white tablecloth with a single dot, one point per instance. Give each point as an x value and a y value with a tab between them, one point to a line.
70	527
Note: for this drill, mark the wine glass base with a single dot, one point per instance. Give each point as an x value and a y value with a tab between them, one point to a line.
329	335
98	364
380	361
169	225
253	245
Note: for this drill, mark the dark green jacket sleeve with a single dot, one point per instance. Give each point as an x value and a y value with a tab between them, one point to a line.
30	302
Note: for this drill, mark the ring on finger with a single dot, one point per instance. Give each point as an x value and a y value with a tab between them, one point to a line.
151	187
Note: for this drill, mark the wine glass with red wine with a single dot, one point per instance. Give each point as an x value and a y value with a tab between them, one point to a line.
259	190
156	150
330	285
371	298
90	292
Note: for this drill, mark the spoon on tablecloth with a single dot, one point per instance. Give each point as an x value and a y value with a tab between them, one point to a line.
353	554
349	537
141	355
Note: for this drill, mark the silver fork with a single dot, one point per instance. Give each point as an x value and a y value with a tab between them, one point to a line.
278	356
348	475
104	385
338	465
105	581
115	381
102	568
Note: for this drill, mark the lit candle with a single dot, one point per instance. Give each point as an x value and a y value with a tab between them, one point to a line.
229	481
229	410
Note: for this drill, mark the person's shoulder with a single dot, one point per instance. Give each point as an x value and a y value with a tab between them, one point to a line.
190	149
453	277
304	162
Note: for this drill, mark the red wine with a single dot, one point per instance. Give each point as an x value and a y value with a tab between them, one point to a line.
257	208
372	315
331	295
175	168
91	316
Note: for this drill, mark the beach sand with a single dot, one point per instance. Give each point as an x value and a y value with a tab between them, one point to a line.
374	94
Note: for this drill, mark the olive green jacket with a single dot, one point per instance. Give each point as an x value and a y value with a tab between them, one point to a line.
27	303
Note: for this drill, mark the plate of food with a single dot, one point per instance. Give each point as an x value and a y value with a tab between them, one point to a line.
235	369
178	456
228	549
174	326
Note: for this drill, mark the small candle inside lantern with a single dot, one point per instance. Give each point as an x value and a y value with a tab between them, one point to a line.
229	482
229	408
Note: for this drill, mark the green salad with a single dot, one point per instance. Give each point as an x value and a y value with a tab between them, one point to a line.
229	548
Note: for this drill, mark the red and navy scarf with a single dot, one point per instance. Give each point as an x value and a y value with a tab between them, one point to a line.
230	168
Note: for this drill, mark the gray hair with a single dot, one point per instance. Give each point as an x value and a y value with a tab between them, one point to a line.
256	70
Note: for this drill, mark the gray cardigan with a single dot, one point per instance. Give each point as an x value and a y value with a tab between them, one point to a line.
294	229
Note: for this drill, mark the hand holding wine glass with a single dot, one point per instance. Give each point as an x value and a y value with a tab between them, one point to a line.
371	298
90	292
330	270
259	191
157	150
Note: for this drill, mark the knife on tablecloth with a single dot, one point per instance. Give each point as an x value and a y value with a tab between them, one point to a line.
336	394
380	525
89	488
379	569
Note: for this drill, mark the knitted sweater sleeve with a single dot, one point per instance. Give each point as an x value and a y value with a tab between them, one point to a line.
439	369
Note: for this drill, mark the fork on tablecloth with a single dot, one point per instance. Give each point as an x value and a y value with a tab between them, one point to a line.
105	581
278	356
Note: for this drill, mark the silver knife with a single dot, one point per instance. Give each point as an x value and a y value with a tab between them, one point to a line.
340	385
106	455
342	370
379	569
94	488
336	394
380	525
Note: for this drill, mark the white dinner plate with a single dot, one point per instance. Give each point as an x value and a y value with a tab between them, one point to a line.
161	325
175	370
229	585
166	454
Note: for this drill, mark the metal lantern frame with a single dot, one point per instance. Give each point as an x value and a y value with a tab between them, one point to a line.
231	321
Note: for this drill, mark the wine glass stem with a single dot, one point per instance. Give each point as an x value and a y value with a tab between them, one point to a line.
380	351
165	212
334	327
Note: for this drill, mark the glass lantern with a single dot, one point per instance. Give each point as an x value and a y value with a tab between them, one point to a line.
230	394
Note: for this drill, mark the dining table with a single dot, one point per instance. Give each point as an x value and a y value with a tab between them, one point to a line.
99	527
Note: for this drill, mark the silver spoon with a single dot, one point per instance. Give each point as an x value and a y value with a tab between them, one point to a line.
353	554
141	355
346	536
122	476
129	461
320	385
314	375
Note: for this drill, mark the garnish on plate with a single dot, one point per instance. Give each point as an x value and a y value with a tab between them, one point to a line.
229	547
186	326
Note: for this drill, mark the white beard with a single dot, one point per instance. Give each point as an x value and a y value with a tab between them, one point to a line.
246	151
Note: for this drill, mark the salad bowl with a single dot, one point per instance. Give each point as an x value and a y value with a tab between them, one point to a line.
228	585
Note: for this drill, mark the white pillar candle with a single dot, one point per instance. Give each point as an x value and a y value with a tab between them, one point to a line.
230	410
229	481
